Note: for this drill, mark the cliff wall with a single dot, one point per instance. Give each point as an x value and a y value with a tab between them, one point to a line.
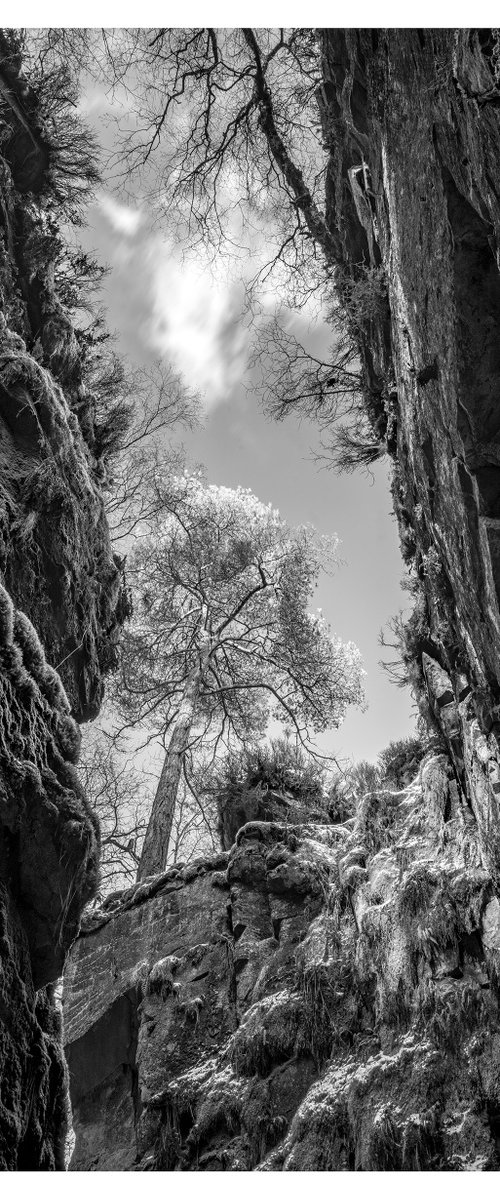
61	602
325	1001
358	964
420	109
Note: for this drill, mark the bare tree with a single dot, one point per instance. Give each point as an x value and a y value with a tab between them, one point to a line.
292	380
194	824
121	797
71	157
227	135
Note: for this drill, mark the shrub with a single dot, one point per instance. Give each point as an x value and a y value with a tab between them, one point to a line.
365	296
279	769
349	788
284	767
450	1013
408	638
160	980
400	760
341	800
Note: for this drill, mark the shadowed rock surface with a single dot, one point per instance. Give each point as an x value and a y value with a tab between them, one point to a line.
55	551
61	602
362	961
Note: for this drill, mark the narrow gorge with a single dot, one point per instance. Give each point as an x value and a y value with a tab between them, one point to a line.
322	993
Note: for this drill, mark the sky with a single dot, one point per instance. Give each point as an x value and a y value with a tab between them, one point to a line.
189	314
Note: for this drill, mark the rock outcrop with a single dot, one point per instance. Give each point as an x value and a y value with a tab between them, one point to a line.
342	1013
61	603
419	108
55	552
326	1001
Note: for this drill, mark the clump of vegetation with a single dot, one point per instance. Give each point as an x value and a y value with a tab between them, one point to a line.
333	978
221	1111
71	170
377	819
421	1141
190	1007
416	890
385	1142
398	1142
341	800
282	766
272	1032
160	980
396	767
408	637
177	1119
394	1005
244	785
365	296
400	761
450	1011
326	987
264	1132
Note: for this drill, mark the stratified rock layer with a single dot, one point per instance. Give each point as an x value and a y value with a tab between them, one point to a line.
328	1002
61	600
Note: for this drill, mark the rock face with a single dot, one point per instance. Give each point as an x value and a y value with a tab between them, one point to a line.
55	552
342	1013
420	110
61	601
326	1002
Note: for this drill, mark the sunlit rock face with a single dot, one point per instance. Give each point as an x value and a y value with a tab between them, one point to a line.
326	1001
61	600
353	1024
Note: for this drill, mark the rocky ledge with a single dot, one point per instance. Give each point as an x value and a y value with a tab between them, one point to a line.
322	997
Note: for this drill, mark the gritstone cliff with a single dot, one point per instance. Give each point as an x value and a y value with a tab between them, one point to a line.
328	1000
61	602
320	997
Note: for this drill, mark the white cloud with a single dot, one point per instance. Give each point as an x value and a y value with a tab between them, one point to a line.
194	308
196	322
124	220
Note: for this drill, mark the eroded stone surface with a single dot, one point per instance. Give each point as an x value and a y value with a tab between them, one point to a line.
61	601
342	1015
420	109
55	551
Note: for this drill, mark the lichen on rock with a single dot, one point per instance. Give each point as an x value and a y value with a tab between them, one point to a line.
61	603
361	987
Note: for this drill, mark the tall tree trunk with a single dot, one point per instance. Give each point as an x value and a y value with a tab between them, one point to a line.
155	849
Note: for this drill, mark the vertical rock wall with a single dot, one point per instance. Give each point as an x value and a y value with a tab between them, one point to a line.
363	961
61	602
420	109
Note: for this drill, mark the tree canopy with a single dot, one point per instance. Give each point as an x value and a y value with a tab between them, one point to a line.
222	638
